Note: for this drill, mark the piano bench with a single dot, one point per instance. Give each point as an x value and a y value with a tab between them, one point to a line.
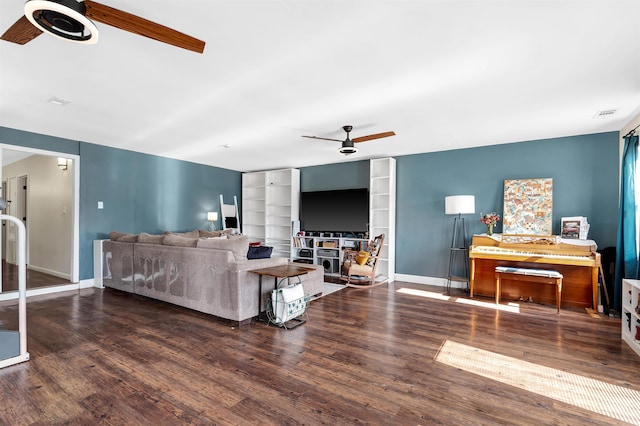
532	275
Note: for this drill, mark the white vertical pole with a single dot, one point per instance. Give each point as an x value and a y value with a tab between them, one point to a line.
22	291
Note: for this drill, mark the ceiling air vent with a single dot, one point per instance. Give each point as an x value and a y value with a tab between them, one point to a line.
58	101
605	113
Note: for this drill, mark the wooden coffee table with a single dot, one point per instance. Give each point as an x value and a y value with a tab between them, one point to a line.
279	272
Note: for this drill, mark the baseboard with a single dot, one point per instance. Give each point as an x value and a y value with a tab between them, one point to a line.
419	279
13	295
50	272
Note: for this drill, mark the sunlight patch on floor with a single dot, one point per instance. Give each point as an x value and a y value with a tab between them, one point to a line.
509	307
423	293
594	395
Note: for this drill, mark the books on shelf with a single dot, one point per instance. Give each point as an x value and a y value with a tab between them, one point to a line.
302	242
574	227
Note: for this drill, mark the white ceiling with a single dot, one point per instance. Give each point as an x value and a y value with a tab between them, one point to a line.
441	74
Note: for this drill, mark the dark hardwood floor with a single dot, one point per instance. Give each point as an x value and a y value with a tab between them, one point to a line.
35	279
363	357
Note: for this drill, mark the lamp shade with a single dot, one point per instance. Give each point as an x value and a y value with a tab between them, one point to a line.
460	204
212	216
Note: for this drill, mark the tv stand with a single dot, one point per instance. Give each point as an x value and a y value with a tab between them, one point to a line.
325	251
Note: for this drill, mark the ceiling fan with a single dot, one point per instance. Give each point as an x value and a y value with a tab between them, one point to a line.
69	20
347	144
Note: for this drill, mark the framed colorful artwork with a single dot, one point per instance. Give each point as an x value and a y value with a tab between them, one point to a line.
528	206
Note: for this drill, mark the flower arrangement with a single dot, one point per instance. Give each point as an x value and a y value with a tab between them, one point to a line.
490	219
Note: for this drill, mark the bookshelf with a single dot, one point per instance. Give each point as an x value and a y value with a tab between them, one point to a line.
270	203
327	252
630	315
382	211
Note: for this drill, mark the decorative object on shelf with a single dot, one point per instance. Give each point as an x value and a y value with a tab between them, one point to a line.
459	205
213	218
638	331
638	305
490	219
574	227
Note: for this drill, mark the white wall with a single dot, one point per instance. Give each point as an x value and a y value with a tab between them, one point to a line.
49	213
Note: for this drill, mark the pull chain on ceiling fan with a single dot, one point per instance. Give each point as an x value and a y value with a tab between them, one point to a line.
347	147
69	20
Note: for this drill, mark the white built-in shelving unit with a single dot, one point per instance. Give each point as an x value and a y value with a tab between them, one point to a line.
270	204
630	315
382	211
327	252
253	205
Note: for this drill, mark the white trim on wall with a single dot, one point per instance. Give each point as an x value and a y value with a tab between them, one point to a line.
419	279
13	295
75	239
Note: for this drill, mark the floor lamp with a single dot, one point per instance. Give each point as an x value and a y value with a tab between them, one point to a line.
459	205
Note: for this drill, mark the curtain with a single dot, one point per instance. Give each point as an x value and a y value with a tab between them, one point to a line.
627	252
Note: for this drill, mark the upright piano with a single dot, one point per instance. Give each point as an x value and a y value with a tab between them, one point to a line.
576	260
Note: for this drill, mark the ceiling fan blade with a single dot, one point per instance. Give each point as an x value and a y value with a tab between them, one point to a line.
375	136
21	32
324	139
134	24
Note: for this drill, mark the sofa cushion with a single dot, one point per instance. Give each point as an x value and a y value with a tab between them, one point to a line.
145	238
178	240
190	234
123	237
239	245
210	234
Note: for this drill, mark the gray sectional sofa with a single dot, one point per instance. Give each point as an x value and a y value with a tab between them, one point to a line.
209	275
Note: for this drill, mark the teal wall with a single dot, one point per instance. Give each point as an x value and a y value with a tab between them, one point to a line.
146	193
335	176
585	181
140	192
584	171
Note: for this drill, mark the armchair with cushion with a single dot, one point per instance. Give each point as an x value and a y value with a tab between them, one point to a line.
359	267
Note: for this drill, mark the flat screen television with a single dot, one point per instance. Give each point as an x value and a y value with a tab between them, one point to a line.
343	210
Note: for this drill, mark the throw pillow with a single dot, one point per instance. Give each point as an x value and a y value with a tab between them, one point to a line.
180	241
362	257
145	238
238	245
259	252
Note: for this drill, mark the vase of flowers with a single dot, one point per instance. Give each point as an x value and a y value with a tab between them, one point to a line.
490	219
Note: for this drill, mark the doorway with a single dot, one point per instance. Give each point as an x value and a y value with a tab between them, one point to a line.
44	196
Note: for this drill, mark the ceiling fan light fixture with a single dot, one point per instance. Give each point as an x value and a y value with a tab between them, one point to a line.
348	150
64	19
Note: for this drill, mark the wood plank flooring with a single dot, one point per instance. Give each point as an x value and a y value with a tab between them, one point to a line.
363	357
35	279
